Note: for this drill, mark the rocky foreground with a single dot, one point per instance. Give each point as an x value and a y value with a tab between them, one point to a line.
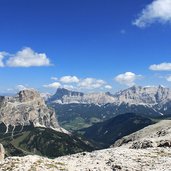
146	150
113	159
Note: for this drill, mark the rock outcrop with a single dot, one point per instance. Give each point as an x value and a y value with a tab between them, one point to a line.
24	109
156	135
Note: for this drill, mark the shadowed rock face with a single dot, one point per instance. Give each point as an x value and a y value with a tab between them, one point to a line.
24	109
2	152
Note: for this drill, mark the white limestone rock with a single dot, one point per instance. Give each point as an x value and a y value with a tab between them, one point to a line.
156	135
114	159
25	108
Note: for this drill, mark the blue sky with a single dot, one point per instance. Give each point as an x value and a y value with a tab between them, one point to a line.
89	45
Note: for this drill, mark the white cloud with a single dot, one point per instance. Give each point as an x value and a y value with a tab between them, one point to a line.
157	11
168	78
69	79
91	83
2	56
54	78
75	83
20	87
108	87
161	67
10	89
69	87
28	58
53	85
128	78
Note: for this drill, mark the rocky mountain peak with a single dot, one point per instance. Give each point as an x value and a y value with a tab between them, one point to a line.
133	95
149	99
146	95
27	107
65	92
64	96
108	93
28	95
62	93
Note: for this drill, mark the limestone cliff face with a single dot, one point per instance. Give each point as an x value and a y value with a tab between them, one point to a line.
26	108
151	100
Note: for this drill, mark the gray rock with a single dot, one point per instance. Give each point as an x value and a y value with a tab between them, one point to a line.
27	107
142	144
2	152
156	135
164	143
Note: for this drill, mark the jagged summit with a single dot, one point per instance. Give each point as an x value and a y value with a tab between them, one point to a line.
29	95
64	96
144	95
135	94
62	92
151	99
24	109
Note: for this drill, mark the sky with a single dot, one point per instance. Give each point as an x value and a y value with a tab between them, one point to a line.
85	45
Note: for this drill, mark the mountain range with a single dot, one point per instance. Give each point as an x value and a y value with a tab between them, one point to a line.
137	95
77	110
29	128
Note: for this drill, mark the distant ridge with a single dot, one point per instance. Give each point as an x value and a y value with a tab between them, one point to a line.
151	100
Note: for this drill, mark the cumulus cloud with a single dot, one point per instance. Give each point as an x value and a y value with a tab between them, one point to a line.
161	67
168	78
28	58
69	87
54	85
91	83
2	56
108	87
69	79
158	11
20	87
75	83
128	78
54	78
